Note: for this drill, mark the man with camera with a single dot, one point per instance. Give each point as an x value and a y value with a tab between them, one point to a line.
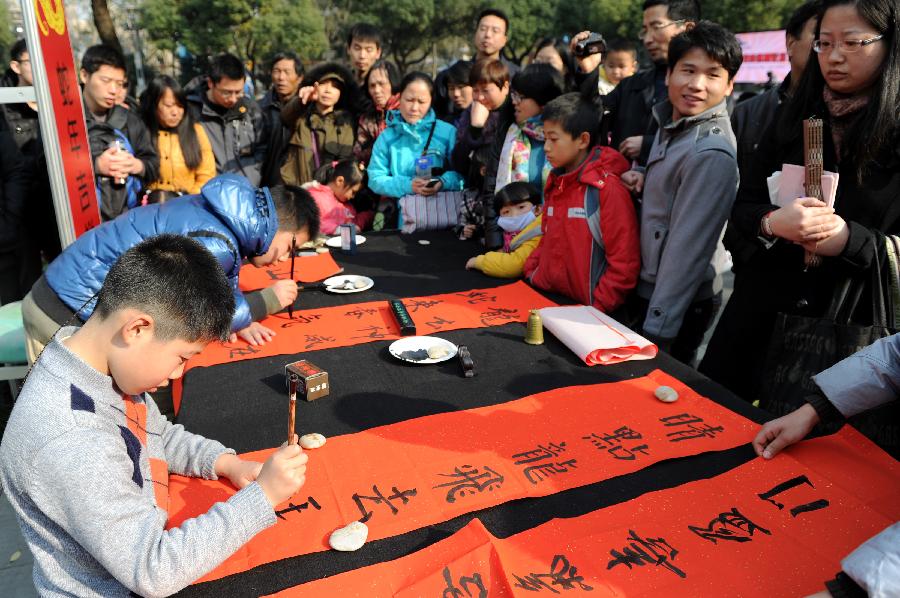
628	119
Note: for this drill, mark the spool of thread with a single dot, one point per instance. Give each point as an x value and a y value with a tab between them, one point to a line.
534	331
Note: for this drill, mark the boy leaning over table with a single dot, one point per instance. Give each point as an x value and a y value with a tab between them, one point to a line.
86	455
863	381
230	217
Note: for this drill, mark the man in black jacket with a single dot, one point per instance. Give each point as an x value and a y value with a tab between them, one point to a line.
13	187
287	75
628	118
122	171
40	239
234	123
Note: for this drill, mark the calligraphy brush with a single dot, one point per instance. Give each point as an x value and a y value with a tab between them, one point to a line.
293	257
292	409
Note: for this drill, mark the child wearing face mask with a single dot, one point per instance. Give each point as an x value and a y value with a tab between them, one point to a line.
335	185
519	207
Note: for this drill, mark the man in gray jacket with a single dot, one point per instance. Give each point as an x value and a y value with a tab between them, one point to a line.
688	190
863	381
234	124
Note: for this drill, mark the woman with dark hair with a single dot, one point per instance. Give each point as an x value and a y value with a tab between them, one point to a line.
383	90
555	52
323	122
805	250
411	155
186	159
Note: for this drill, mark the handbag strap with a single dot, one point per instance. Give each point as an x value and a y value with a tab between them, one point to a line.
849	291
430	135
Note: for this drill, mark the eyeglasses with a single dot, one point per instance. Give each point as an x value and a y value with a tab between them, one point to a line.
657	27
844	46
516	97
227	93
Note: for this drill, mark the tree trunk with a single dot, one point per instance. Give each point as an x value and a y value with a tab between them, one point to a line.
104	23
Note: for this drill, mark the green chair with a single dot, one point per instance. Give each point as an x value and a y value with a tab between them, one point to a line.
13	359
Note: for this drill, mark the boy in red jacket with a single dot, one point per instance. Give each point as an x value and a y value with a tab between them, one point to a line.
590	249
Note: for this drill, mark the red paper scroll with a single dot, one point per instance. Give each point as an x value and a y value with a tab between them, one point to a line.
344	325
309	268
777	528
424	471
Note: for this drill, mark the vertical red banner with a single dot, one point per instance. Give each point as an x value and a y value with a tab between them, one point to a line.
73	145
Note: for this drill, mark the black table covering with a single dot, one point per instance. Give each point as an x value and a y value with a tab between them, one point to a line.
244	404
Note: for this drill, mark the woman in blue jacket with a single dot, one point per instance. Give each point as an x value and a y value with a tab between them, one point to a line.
412	132
230	217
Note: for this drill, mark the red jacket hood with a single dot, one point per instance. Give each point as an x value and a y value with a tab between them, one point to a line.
600	163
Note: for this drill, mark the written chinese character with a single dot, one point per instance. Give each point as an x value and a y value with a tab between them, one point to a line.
299	319
731	526
73	133
467	585
379	498
691	427
242	351
475	297
359	313
292	508
314	340
499	314
373	332
413	305
438	322
612	443
468	480
645	551
541	470
562	576
65	90
793	483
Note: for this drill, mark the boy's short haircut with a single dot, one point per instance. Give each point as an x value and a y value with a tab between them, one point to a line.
296	209
102	55
493	12
298	64
18	48
806	11
364	32
516	193
228	66
719	43
575	114
177	281
620	44
489	70
458	74
687	10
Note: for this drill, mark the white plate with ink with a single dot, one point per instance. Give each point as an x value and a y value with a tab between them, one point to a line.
348	283
418	349
336	241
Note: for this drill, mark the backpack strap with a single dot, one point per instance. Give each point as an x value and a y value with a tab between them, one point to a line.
430	135
211	234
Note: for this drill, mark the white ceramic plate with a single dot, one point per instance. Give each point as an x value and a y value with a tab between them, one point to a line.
336	241
406	348
335	283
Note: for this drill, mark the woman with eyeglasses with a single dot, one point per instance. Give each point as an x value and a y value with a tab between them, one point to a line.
805	250
186	160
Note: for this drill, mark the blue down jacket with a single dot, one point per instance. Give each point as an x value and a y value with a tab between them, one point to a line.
229	217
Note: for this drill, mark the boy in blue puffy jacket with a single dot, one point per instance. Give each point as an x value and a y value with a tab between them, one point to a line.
230	217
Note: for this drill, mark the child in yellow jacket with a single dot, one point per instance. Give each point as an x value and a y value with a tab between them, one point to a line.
519	207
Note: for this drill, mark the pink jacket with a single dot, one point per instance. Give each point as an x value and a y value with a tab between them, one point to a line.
332	213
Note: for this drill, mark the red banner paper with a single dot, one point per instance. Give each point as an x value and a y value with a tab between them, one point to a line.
408	475
777	528
345	325
307	268
65	93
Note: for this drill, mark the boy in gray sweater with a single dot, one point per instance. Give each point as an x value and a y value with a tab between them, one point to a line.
691	183
86	455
